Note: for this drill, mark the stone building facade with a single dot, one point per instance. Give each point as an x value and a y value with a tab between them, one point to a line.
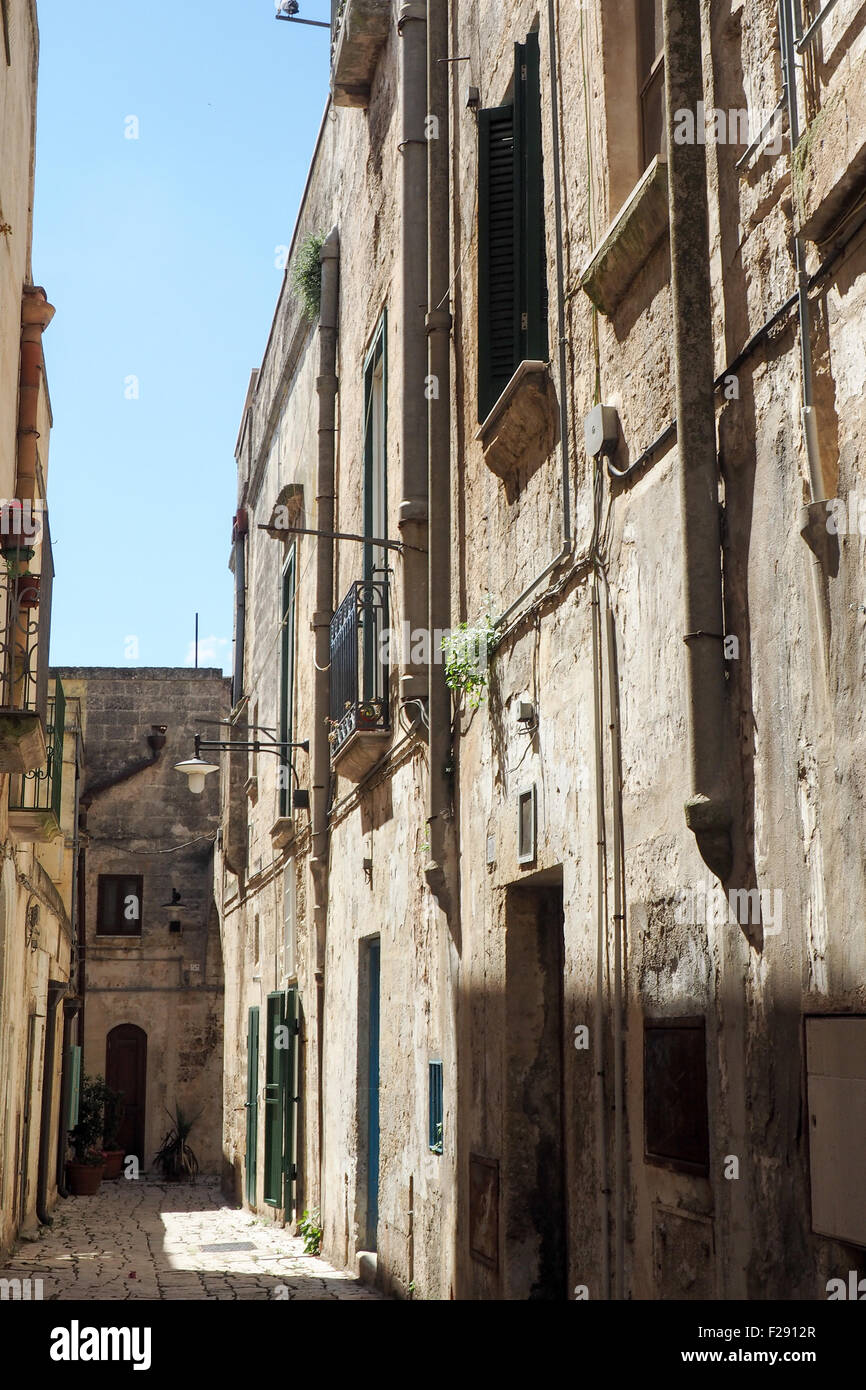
40	756
562	995
150	975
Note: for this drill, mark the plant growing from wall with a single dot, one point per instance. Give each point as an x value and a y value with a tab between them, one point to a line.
310	1227
468	650
307	275
176	1159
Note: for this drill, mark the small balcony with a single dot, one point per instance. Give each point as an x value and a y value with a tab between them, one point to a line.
25	624
35	797
360	724
359	29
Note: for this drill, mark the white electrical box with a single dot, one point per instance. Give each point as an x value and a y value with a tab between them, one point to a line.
836	1079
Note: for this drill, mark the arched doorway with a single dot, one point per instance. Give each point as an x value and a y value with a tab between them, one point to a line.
126	1071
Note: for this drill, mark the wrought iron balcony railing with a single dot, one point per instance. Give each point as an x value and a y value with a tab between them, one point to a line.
35	797
25	626
359	668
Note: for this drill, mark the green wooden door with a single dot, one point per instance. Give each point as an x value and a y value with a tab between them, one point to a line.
252	1106
281	1099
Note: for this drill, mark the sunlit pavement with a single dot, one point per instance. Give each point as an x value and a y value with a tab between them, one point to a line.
150	1240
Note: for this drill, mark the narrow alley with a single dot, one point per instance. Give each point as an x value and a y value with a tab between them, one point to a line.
151	1240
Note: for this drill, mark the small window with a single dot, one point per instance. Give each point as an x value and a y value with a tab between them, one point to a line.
434	1138
650	78
175	928
512	280
527	818
118	911
676	1121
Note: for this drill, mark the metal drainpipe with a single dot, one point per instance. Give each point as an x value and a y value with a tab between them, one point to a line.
567	539
813	517
326	388
241	612
601	944
56	991
441	868
708	808
412	28
439	322
70	1009
618	943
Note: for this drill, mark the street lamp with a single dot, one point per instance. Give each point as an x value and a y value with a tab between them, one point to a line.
196	769
289	10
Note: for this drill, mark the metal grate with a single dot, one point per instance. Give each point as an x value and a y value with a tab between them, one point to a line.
41	789
359	672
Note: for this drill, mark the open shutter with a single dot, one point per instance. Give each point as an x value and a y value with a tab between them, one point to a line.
73	1062
252	1104
274	1102
292	1102
498	232
532	279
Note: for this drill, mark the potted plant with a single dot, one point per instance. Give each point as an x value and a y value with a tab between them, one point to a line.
113	1111
176	1159
27	590
84	1171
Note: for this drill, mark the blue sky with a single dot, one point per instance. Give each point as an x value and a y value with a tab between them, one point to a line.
159	256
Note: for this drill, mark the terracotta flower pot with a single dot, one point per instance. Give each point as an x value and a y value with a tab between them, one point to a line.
27	587
113	1163
84	1178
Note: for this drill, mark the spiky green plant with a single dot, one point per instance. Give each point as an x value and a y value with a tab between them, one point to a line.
176	1159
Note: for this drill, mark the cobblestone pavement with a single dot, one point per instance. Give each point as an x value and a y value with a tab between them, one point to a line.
149	1240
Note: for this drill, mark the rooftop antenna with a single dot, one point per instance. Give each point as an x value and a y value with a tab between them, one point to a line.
289	9
196	641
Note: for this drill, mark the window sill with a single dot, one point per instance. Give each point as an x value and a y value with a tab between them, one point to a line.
282	832
629	241
522	423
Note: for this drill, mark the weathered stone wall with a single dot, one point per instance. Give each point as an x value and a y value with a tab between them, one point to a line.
35	883
170	985
793	729
492	1216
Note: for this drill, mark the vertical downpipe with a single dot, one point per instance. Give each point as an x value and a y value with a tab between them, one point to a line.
440	870
601	946
708	808
326	388
412	28
439	322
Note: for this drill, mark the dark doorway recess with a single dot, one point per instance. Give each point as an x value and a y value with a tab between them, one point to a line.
126	1071
535	1212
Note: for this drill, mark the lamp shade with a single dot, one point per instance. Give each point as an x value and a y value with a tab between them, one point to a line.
196	770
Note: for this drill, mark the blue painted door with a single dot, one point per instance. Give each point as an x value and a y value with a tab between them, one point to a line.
373	1097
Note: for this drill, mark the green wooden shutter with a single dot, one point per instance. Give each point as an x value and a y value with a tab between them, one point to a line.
274	1103
281	1099
252	1104
512	264
73	1062
292	1102
498	229
532	275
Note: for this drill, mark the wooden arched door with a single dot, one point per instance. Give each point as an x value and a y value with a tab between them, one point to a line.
126	1071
